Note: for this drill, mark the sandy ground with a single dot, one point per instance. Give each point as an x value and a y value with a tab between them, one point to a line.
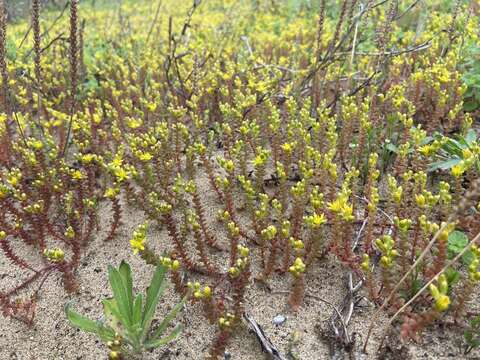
52	337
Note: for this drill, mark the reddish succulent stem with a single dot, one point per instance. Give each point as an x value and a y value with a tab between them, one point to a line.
209	238
298	291
116	220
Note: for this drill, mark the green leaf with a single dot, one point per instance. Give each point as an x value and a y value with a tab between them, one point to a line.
80	321
467	258
126	274
11	50
137	310
112	315
475	322
392	147
154	291
468	336
427	140
443	165
457	241
153	343
105	333
471	136
166	321
120	295
471	106
471	339
453	276
454	147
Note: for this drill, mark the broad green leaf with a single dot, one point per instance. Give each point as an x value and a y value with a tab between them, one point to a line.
105	333
126	273
80	321
457	241
444	165
166	321
153	343
154	291
392	147
471	105
112	315
454	147
137	310
471	136
120	295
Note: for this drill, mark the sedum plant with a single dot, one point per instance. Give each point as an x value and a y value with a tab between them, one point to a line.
127	327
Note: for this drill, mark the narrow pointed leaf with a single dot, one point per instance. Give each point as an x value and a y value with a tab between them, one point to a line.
126	274
80	321
120	295
105	333
154	292
153	343
137	310
164	324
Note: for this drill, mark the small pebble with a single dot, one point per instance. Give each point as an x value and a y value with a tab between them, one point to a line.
227	355
279	320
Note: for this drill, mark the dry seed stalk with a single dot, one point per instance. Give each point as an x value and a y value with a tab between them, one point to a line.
73	53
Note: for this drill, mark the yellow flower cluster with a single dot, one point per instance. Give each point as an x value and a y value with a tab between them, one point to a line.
439	293
54	255
139	237
386	246
241	263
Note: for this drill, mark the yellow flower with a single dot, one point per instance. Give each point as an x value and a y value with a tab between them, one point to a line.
458	170
298	267
77	175
37	144
342	208
152	107
87	158
315	220
442	302
145	156
439	294
207	291
269	233
365	262
121	174
137	244
54	255
110	193
117	161
336	206
287	147
420	200
139	237
134	123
